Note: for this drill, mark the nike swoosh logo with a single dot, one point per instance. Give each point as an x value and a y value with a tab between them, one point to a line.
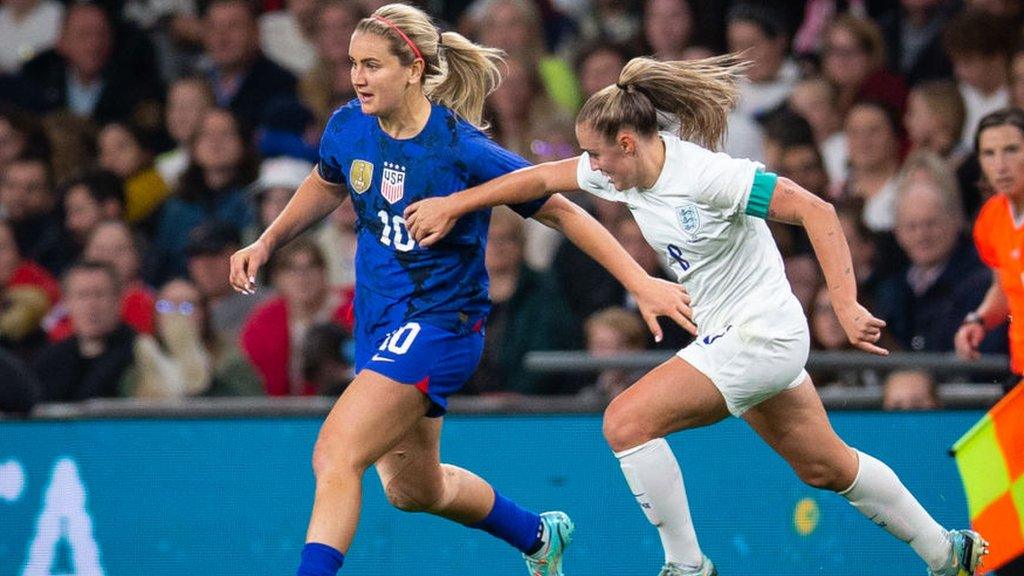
379	358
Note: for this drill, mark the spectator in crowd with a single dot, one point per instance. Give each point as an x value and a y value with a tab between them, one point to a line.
327	358
827	334
21	389
287	36
243	78
610	332
668	31
783	128
126	151
909	390
328	84
337	241
27	291
82	75
20	135
188	100
612	20
1017	78
759	33
913	38
528	314
288	129
516	27
88	200
923	301
598	65
273	335
213	188
27	27
72	142
519	105
29	204
873	131
979	45
209	250
92	362
113	243
998	238
278	180
854	62
184	357
171	25
815	100
935	120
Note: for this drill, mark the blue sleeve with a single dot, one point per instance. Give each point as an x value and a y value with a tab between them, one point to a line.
486	160
327	164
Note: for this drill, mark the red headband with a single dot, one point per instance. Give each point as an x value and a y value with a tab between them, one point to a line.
415	50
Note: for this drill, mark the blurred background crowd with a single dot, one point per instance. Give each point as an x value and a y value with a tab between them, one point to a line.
142	142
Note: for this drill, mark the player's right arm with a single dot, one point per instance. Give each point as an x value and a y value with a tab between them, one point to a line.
991	313
431	219
315	199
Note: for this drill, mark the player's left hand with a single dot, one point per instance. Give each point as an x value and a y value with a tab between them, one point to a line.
656	297
429	221
862	329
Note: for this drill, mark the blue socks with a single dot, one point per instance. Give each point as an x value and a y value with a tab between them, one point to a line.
320	560
520	528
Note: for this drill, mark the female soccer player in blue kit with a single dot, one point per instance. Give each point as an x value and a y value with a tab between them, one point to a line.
413	135
705	213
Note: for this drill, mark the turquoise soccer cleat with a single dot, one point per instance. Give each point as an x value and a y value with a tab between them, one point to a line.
706	569
966	555
560	529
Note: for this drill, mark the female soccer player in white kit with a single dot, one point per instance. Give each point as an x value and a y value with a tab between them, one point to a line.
705	213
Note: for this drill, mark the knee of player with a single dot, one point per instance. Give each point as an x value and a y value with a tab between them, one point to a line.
337	459
819	474
410	497
623	431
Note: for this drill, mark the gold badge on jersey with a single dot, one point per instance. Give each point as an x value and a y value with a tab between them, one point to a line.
360	175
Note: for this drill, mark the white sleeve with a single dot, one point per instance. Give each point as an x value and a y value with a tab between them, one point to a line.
594	182
722	182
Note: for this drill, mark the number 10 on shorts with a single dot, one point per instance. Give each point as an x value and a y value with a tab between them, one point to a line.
399	341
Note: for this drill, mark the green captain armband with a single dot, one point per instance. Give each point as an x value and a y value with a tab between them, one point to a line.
761	194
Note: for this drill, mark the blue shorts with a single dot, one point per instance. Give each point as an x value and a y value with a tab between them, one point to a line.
436	361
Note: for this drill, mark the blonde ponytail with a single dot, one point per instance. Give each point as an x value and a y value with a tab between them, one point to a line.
699	93
457	73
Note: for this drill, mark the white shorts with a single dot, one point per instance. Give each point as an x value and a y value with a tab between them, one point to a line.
756	359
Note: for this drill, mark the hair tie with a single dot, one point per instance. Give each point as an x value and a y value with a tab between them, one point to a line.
415	50
623	87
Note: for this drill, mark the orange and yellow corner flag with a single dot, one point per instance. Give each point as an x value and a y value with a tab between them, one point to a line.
990	457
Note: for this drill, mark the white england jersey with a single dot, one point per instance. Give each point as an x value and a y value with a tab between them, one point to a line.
697	217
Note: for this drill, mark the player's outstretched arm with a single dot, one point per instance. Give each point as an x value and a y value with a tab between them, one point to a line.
792	204
654	296
432	219
315	199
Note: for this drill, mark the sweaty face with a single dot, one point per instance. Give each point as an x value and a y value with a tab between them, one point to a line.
608	158
378	77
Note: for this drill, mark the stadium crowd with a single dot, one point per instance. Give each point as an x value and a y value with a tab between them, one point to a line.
143	142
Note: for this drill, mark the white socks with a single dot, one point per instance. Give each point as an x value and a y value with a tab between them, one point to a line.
880	496
653	475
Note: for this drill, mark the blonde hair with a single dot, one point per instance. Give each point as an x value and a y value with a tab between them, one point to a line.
698	93
943	98
628	325
457	73
866	33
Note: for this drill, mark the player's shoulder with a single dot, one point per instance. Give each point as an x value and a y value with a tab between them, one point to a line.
348	116
993	211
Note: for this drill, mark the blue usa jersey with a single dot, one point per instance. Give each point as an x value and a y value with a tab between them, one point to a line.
396	279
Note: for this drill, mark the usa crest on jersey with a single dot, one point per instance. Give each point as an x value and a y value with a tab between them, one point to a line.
392	186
